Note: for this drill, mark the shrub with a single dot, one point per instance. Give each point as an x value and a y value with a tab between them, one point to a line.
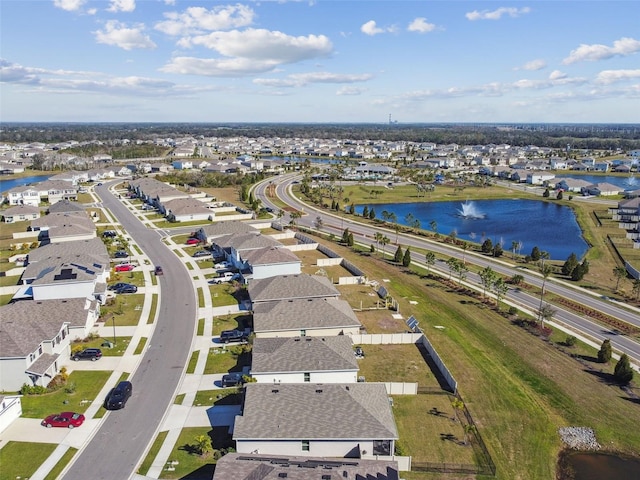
570	341
513	310
70	388
623	371
604	354
32	389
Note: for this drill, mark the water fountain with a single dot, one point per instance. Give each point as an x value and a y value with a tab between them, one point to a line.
469	210
631	181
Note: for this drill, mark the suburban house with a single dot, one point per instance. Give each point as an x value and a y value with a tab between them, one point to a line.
602	189
155	192
313	317
208	233
572	185
319	420
10	410
291	287
628	215
64	227
55	190
35	336
264	467
271	261
304	360
20	213
24	195
65	206
539	178
77	269
237	245
185	210
183	164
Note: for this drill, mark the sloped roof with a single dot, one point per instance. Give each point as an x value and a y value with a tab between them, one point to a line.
221	228
303	354
65	206
27	323
291	287
246	241
301	411
302	314
270	256
184	206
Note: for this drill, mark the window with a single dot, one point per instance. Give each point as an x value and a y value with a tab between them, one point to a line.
382	447
305	445
307	377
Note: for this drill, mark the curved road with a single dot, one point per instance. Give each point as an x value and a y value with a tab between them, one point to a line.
118	446
365	234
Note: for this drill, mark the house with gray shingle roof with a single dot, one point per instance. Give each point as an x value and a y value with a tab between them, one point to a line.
304	317
291	287
186	210
219	229
270	261
20	213
321	420
65	206
64	227
264	467
35	336
77	269
24	195
304	360
602	189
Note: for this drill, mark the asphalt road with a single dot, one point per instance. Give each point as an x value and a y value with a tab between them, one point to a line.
118	446
365	234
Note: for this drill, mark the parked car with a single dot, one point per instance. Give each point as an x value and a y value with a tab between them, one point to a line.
201	253
127	289
225	277
118	396
223	264
124	267
64	419
232	380
109	233
193	241
227	336
121	254
117	286
158	270
92	354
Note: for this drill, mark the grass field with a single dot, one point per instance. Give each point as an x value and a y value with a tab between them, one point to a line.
22	459
519	388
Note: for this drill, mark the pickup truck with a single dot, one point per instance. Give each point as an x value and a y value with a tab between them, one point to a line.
225	277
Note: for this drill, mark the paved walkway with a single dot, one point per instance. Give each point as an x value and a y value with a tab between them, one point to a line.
178	416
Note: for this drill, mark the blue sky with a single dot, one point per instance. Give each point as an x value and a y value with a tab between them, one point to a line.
320	61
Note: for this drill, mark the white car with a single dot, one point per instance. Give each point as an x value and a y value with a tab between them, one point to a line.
222	265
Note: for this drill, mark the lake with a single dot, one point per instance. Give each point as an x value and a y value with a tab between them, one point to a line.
598	466
7	182
551	227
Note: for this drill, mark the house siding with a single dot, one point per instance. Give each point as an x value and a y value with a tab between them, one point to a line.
323	332
315	377
317	448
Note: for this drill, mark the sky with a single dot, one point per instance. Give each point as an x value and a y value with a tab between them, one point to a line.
318	61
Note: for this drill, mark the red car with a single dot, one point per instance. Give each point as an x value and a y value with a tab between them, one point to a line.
64	419
125	267
193	241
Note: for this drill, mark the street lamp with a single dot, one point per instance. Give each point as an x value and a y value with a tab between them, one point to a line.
113	320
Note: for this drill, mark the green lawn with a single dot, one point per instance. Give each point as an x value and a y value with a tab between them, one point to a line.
154	307
188	461
221	362
125	309
62	463
231	322
193	360
395	363
121	344
140	347
22	459
87	386
153	452
9	281
225	396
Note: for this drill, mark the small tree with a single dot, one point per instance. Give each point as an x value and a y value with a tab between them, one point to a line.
429	260
580	271
487	246
350	240
623	371
535	254
497	250
372	214
619	273
570	264
365	212
546	193
399	254
559	196
604	354
406	258
203	445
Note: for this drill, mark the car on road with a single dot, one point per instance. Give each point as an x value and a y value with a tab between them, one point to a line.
92	354
158	270
118	396
127	289
121	254
124	267
117	286
269	209
193	241
227	336
232	380
201	253
64	420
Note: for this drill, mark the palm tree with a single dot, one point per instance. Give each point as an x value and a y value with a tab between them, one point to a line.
434	227
514	247
378	238
384	241
487	276
500	288
465	247
619	273
545	270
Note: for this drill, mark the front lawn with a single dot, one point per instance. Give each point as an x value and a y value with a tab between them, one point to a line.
22	459
126	310
87	385
121	344
223	360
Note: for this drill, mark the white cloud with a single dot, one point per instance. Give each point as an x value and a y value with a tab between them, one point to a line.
607	77
303	79
623	47
265	45
350	91
212	67
420	25
533	65
497	14
127	38
69	5
122	6
557	75
169	2
370	28
197	20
